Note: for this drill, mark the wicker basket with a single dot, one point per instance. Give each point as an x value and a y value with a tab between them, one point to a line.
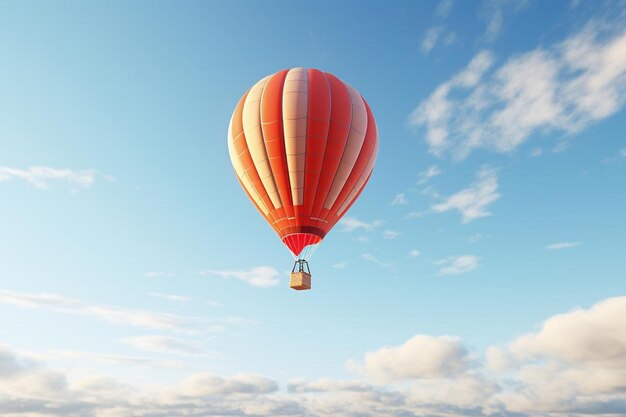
300	281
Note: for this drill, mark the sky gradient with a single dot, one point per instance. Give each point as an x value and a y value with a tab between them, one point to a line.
481	272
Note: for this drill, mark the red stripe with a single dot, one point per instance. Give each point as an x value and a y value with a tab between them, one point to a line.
318	121
273	136
369	145
340	116
298	241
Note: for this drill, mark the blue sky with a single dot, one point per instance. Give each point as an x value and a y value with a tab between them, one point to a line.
490	236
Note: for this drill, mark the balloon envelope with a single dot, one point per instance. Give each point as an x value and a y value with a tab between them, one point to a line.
303	144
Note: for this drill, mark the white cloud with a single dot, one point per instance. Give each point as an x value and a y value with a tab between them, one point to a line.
259	276
23	377
40	177
498	359
593	336
117	315
438	34
350	224
472	202
494	12
340	265
326	385
414	253
371	258
467	394
563	245
416	214
474	238
454	265
399	199
437	113
419	357
170	297
535	152
622	153
206	384
430	38
166	344
34	390
444	8
430	191
431	172
390	234
563	88
106	358
573	365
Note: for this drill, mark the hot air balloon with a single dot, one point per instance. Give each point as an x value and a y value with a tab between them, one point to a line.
303	145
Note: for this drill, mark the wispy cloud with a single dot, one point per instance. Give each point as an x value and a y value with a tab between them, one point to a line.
110	359
444	8
563	245
414	253
431	172
390	234
494	12
41	177
349	224
564	89
416	214
340	265
430	38
472	202
620	154
259	276
455	265
474	238
371	258
117	315
438	33
167	344
399	199
437	113
170	297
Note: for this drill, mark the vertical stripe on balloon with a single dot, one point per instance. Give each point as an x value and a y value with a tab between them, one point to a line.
251	119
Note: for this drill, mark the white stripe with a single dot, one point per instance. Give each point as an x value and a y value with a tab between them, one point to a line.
354	143
251	119
295	108
238	166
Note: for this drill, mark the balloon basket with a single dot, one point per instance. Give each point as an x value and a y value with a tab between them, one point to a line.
300	276
300	281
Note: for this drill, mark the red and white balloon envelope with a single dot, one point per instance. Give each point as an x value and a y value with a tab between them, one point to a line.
303	144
